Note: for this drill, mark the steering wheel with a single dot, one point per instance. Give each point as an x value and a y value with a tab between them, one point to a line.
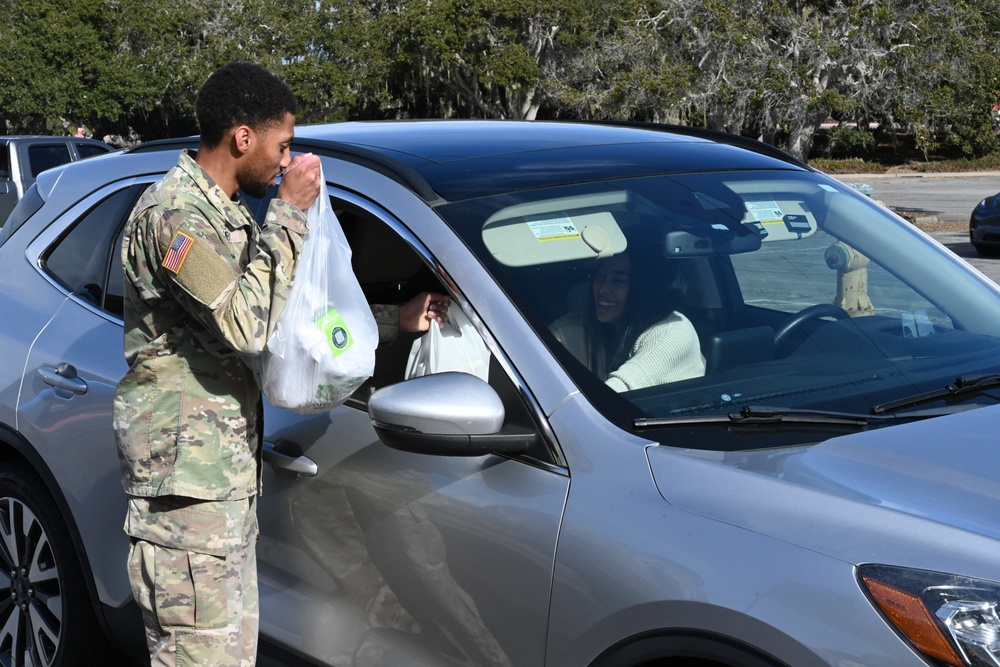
792	327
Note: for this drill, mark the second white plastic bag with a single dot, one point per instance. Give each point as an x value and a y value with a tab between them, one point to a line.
322	347
456	346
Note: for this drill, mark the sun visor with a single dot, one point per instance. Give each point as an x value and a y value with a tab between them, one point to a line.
776	219
556	230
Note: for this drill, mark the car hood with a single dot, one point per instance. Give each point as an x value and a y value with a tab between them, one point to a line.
935	481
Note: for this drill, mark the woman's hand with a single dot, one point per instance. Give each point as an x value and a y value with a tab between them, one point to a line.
417	313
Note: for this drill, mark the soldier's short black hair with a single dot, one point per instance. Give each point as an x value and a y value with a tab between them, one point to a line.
240	94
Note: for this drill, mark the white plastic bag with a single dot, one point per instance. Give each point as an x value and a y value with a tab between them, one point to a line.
456	346
323	344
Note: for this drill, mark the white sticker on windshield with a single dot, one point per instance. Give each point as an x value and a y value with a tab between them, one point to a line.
553	229
765	211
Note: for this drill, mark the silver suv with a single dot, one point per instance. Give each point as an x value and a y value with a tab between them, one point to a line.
822	489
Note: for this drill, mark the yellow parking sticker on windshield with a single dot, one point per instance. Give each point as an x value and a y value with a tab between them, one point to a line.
553	229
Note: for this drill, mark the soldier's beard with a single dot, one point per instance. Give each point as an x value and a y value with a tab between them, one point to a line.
255	189
255	177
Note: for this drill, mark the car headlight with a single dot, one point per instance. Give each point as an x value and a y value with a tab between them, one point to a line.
949	618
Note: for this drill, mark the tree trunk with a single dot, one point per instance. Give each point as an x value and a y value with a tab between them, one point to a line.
800	135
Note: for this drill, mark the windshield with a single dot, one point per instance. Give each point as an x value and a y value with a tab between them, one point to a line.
674	301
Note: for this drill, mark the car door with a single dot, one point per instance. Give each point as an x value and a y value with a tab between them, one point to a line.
71	372
372	556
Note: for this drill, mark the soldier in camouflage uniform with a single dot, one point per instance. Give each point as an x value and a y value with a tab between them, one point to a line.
204	285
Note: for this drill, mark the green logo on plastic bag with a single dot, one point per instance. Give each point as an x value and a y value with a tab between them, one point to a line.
337	333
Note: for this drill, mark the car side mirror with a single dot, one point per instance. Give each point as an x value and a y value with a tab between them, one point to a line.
445	414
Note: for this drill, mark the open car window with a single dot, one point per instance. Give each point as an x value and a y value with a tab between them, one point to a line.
801	293
391	271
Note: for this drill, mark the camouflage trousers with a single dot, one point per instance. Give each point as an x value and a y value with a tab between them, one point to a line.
193	568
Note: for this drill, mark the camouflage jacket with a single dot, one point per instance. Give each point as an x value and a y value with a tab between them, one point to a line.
203	285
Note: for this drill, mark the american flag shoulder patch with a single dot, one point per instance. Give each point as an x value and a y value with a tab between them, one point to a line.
177	251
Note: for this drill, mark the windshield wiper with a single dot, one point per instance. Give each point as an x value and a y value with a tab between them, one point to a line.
754	415
960	387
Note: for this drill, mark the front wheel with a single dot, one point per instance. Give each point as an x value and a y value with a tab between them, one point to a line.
46	617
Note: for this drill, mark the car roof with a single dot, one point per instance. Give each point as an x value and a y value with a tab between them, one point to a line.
451	160
41	138
461	159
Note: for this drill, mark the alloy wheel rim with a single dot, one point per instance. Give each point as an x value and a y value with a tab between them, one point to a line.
31	610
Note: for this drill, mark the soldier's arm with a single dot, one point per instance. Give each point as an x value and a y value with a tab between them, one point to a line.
238	306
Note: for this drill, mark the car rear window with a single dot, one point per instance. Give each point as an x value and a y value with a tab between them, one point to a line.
86	259
90	150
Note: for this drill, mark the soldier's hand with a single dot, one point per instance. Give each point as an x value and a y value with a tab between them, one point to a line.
300	184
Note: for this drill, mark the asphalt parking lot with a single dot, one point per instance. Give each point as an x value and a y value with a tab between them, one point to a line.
940	204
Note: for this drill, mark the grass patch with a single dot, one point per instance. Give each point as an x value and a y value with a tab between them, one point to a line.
847	166
859	166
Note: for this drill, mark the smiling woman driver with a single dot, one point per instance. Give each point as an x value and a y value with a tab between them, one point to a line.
630	335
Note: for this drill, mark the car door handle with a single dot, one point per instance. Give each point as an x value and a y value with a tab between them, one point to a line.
302	465
63	377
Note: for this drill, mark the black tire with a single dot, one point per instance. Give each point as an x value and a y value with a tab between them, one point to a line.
988	251
46	616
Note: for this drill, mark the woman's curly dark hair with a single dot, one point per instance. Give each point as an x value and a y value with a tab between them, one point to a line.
240	94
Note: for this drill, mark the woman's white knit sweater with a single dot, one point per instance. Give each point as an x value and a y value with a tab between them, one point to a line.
668	351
